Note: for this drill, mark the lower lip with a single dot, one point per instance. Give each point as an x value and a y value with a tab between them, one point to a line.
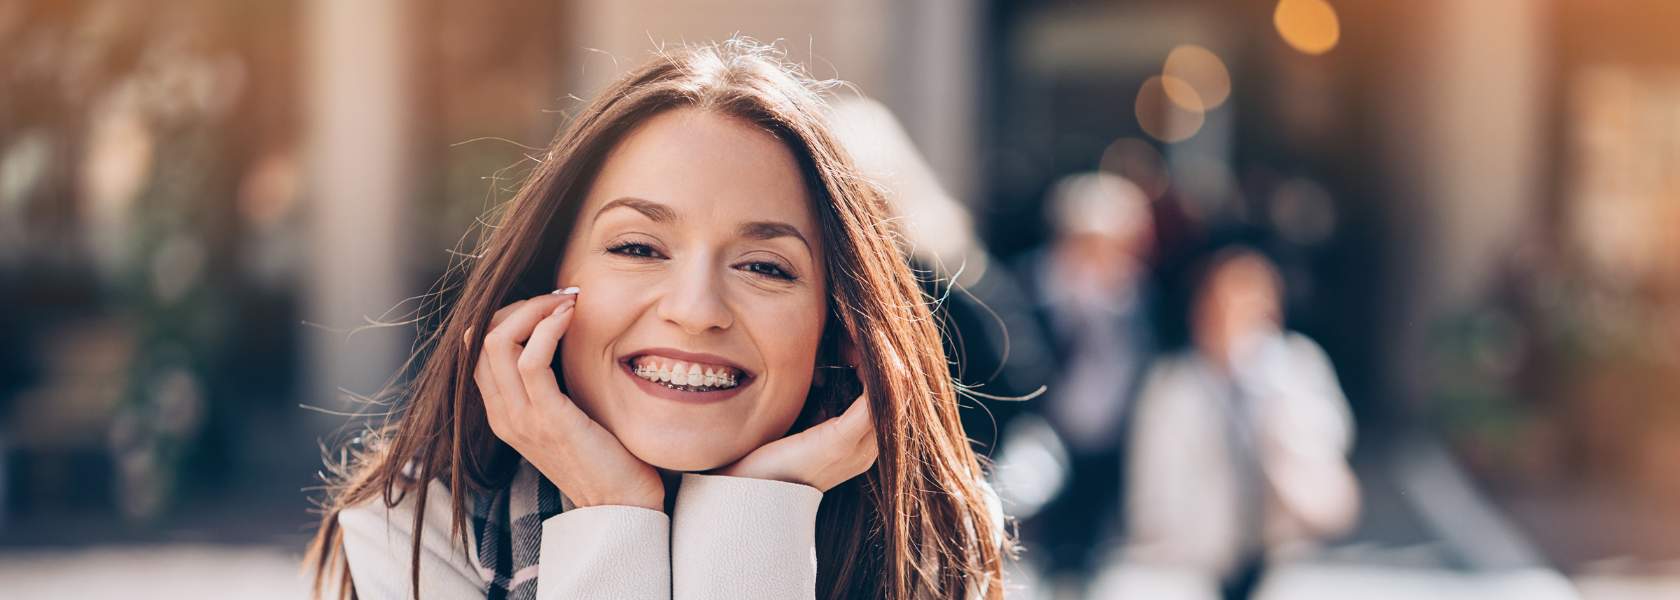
660	391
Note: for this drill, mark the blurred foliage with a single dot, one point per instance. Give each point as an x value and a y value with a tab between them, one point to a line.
152	115
1557	374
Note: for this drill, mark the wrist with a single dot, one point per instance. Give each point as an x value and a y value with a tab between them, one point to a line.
630	501
760	474
584	496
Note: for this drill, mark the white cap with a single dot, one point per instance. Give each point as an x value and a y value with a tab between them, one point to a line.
1098	202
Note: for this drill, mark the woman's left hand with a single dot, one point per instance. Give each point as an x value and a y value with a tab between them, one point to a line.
822	457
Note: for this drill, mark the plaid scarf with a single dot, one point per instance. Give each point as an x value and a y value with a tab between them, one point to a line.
507	527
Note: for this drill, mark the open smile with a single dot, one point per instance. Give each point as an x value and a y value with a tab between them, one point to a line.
684	376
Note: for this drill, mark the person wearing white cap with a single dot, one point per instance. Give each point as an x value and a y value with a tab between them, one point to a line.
1091	287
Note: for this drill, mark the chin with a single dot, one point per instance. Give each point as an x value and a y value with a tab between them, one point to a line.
688	450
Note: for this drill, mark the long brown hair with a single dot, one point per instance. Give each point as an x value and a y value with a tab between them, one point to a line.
916	525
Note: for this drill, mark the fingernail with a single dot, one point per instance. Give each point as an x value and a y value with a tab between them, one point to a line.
564	291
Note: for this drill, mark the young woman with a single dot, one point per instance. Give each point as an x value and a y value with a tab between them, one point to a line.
737	391
1241	438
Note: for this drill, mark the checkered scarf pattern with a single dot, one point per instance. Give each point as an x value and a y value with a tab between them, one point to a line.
507	529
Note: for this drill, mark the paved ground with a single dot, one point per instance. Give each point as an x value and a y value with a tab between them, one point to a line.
1425	532
146	572
262	573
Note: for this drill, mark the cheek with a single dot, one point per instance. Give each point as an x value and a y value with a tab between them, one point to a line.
789	345
603	312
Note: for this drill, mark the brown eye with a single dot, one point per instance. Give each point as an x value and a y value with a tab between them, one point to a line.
769	269
635	250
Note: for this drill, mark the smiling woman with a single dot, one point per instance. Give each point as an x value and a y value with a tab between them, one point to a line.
695	260
736	374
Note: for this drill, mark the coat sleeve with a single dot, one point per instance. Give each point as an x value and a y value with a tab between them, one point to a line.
595	552
743	538
1179	496
1307	433
608	552
377	543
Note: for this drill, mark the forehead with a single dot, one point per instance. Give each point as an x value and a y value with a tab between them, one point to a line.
1245	273
706	166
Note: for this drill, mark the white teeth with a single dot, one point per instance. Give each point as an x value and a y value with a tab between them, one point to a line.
679	373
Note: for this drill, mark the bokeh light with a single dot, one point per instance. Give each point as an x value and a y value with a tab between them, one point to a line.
1203	71
1310	26
1163	117
1137	161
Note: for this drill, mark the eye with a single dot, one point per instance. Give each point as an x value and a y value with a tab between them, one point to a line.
768	269
634	250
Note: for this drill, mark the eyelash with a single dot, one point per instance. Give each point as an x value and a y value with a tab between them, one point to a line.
640	250
623	248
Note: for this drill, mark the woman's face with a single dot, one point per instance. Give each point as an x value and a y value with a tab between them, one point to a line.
703	291
1240	298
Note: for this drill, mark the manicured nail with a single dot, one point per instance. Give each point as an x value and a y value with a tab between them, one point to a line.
564	291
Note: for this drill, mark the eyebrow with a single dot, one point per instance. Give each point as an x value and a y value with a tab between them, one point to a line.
659	213
654	211
766	230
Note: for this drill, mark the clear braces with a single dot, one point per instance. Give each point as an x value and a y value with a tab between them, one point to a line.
685	388
681	387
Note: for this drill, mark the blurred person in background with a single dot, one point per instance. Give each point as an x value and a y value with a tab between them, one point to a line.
1239	442
1092	293
674	427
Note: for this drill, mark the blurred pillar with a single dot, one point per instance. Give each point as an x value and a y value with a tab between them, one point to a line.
357	137
844	40
1465	105
935	84
921	59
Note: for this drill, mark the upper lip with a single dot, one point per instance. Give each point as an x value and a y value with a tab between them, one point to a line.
694	357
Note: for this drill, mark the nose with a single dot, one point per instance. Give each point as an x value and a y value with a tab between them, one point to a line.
693	299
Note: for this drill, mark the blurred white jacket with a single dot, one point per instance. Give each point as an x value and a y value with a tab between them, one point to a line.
1184	505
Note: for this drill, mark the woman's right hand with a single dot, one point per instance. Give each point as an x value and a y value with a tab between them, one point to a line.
526	410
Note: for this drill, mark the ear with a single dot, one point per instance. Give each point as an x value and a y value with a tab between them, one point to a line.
843	356
849	355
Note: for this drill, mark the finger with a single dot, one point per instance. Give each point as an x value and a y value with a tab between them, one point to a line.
536	361
868	451
501	314
485	379
499	408
858	422
495	405
862	425
503	345
853	435
545	339
846	430
497	318
550	299
481	371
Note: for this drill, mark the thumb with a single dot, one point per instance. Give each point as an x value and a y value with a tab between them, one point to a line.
854	424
